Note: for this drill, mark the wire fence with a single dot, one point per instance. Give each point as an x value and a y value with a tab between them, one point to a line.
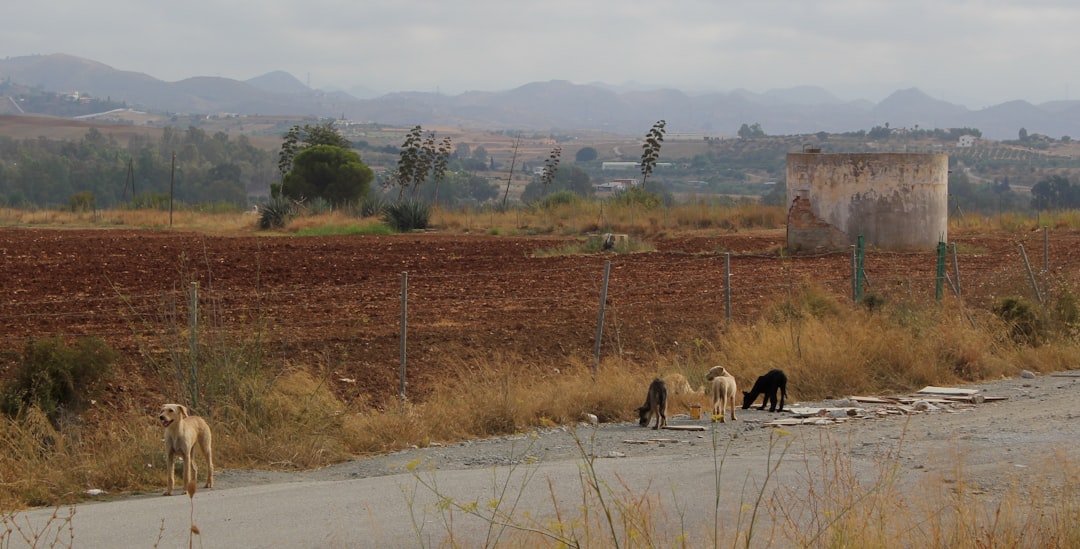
467	308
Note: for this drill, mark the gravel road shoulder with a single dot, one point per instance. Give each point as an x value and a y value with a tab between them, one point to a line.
1033	419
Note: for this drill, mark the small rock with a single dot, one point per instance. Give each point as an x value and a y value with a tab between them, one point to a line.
1027	374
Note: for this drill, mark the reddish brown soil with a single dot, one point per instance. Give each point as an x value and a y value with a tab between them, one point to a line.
334	302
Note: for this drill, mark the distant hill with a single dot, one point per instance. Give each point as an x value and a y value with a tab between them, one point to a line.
543	106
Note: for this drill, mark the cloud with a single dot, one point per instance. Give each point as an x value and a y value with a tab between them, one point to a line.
992	49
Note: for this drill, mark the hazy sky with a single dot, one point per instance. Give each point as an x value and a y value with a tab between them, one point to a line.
971	52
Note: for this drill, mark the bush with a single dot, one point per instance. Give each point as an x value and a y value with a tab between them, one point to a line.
1023	320
558	198
373	206
82	202
56	378
637	196
276	214
407	215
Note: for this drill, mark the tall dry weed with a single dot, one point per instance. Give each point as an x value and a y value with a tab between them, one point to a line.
44	465
833	350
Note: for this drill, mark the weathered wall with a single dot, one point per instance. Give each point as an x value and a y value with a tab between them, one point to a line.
896	201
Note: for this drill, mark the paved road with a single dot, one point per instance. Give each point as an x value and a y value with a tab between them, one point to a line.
371	512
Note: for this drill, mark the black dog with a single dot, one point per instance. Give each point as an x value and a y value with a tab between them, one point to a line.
655	405
767	385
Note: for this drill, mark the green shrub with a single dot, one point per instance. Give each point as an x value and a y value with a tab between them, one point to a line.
82	202
1022	318
56	378
276	213
407	215
373	206
318	206
636	196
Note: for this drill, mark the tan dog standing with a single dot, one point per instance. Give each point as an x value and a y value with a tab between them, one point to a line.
724	390
182	432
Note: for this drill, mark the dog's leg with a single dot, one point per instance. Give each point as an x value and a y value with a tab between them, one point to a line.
170	465
208	452
191	472
205	446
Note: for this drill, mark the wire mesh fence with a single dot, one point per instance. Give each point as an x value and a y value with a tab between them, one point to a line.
337	300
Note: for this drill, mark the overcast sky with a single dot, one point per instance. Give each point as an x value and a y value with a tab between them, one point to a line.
975	53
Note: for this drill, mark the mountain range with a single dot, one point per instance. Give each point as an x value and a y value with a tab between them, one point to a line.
544	106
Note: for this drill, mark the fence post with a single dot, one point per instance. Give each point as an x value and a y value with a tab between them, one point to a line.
193	341
939	286
1031	275
404	333
860	274
727	286
956	270
600	322
1046	250
854	277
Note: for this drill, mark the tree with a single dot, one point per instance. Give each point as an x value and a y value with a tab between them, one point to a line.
879	132
551	165
300	137
1055	192
573	179
325	171
420	160
753	130
586	154
651	150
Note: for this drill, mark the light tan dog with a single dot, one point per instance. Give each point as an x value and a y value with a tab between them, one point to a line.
677	384
724	390
182	432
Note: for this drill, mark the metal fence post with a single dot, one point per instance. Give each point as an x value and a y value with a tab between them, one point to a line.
600	321
404	333
193	342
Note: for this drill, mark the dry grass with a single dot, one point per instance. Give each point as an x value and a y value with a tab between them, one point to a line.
576	218
290	419
44	465
586	216
185	219
832	350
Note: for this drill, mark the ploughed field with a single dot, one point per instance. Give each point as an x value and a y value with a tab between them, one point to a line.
336	302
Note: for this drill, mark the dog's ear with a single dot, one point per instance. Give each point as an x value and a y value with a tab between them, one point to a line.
183	411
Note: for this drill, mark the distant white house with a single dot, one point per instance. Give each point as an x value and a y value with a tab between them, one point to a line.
629	165
610	187
967	141
614	186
